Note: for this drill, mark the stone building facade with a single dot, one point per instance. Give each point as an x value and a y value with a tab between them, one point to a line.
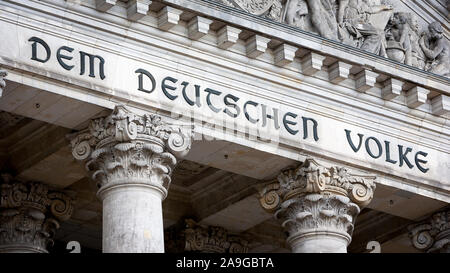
224	126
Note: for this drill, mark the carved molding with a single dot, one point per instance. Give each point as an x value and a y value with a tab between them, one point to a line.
212	239
433	234
127	148
30	214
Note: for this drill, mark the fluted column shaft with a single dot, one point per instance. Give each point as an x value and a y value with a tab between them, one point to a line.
317	206
131	158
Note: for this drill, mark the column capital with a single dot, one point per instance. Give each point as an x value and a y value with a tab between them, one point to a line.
212	239
126	148
317	205
30	215
432	234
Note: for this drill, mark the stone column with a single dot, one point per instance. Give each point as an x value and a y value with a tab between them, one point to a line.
433	234
131	158
3	74
30	215
317	206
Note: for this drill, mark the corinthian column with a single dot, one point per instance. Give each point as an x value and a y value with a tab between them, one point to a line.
131	158
433	234
30	215
3	74
318	206
212	239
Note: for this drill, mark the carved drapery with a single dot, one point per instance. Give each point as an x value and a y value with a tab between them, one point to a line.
373	26
29	215
313	200
128	148
211	239
433	234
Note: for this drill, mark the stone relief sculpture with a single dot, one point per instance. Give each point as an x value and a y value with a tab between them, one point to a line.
312	15
268	8
417	57
371	25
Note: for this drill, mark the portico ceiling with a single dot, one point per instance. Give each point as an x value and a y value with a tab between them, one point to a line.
211	188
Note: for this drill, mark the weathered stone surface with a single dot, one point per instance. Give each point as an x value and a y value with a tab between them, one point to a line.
373	26
30	215
211	239
3	74
317	205
132	158
433	234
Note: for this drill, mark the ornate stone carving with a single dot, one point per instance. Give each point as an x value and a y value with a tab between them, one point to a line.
312	200
371	25
128	148
30	215
268	8
363	24
8	120
312	15
433	234
436	50
3	74
212	239
398	39
310	177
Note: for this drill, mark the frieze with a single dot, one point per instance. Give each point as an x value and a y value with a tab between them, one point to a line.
372	25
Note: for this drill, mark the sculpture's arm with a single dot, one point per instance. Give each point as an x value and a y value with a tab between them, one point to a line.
432	54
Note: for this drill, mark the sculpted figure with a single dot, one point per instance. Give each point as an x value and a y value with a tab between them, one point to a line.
268	8
398	40
296	13
437	50
417	57
320	14
362	24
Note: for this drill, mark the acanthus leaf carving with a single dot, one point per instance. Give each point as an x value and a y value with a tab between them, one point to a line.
128	147
432	234
30	215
